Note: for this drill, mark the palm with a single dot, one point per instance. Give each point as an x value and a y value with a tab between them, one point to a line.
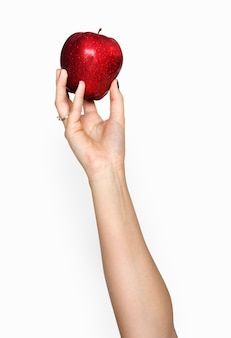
100	141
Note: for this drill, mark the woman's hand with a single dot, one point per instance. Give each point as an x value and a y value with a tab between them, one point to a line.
97	144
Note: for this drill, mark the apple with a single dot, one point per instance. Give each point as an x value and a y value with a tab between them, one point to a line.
94	58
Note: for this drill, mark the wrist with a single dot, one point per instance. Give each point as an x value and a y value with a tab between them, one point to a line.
108	173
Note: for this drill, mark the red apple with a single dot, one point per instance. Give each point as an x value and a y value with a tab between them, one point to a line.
94	58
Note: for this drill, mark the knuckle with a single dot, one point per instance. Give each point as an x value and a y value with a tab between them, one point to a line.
58	103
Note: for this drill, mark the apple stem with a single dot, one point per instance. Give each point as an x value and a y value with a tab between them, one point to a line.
99	30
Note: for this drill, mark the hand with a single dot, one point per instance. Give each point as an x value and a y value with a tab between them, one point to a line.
97	144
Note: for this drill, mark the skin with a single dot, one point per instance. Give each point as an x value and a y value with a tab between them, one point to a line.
139	296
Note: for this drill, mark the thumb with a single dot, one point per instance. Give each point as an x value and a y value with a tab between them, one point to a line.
116	104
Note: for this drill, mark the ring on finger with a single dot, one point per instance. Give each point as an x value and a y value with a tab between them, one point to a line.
62	118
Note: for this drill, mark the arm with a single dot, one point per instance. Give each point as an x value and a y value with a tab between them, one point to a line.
140	299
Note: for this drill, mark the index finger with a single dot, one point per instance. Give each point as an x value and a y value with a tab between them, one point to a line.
76	109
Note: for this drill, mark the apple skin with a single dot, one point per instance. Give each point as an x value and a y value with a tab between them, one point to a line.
94	58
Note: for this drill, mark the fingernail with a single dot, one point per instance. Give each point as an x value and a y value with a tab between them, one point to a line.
118	84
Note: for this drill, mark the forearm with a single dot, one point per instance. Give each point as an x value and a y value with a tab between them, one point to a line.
139	297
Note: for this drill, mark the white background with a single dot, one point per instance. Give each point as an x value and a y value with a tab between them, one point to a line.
176	80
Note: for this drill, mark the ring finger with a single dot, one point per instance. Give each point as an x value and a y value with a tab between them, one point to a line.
62	101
